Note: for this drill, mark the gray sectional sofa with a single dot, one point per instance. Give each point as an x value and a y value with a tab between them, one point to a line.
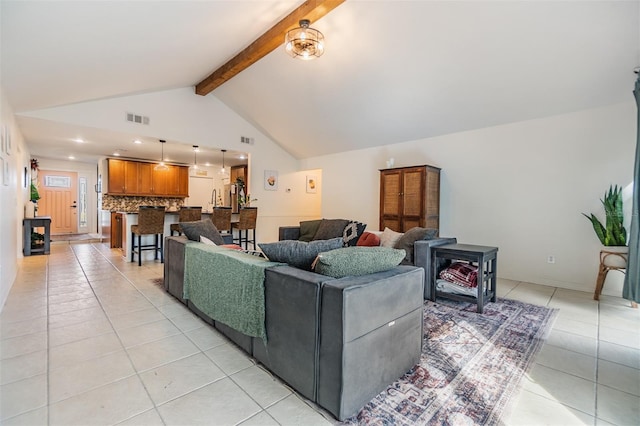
337	341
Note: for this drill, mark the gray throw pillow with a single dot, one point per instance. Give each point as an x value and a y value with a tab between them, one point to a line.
296	253
353	261
405	242
308	229
330	228
205	228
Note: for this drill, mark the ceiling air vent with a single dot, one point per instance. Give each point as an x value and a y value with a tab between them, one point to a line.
248	140
135	118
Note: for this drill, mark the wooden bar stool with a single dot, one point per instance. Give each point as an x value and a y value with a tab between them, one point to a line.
186	214
246	222
221	218
150	222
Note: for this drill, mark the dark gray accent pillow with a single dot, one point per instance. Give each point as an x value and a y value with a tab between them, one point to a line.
353	261
331	228
205	228
300	254
405	242
352	233
308	229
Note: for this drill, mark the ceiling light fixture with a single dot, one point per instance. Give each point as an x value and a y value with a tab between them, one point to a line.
304	42
137	141
195	157
223	170
161	166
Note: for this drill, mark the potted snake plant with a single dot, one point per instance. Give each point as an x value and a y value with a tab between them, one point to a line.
612	234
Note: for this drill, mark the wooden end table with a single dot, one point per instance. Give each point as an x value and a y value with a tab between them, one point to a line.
485	258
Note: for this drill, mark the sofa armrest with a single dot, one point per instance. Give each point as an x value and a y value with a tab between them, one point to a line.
422	259
370	335
174	266
289	233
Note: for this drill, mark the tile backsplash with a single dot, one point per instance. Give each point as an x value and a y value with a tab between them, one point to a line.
121	203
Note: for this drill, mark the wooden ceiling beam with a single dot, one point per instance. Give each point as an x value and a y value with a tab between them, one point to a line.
266	43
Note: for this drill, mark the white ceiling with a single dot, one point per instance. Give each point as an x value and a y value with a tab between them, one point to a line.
392	71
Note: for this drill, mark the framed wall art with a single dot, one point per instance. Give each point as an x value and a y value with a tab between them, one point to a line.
7	140
312	184
5	172
271	180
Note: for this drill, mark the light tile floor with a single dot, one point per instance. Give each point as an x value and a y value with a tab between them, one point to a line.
88	338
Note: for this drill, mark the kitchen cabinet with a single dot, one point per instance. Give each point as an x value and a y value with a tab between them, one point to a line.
141	179
123	177
410	197
116	182
145	178
116	230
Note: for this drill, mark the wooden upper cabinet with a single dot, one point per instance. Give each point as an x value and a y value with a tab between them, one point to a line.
141	179
410	197
183	181
145	178
116	182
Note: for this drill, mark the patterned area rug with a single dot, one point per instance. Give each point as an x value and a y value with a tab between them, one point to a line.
471	365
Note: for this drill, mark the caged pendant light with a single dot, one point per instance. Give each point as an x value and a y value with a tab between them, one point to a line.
304	42
161	166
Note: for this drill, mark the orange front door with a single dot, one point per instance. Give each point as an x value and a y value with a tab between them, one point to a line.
58	199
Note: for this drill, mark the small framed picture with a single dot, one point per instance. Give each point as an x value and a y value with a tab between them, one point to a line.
312	184
271	180
7	140
5	174
3	142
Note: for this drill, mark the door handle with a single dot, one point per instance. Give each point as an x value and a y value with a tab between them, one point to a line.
74	206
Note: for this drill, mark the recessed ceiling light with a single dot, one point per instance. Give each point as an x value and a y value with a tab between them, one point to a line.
71	157
242	157
78	140
117	154
207	164
138	141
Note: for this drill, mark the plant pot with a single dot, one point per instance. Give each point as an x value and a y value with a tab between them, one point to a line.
614	256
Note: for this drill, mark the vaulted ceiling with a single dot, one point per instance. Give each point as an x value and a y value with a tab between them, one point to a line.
393	71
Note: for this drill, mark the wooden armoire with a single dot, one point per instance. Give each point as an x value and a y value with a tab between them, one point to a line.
410	197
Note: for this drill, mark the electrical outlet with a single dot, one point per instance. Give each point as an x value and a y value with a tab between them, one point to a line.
551	259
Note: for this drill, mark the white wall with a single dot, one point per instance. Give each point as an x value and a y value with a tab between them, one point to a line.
521	187
13	196
181	115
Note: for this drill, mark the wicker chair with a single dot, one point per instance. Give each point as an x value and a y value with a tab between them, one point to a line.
150	222
222	219
187	214
246	222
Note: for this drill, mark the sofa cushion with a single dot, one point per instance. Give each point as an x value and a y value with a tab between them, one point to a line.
461	273
308	229
352	233
298	253
350	261
368	239
389	237
205	228
330	228
405	242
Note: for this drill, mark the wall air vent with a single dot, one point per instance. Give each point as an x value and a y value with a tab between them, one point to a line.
135	118
247	140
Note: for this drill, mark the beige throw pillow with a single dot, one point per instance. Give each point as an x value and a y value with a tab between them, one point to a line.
389	238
